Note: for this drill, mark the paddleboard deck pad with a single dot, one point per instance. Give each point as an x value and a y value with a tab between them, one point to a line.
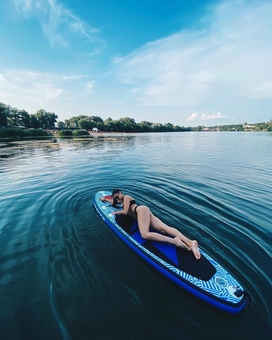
204	278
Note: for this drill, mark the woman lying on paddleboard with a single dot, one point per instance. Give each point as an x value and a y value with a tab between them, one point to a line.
146	220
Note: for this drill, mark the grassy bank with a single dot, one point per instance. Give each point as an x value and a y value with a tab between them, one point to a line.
16	133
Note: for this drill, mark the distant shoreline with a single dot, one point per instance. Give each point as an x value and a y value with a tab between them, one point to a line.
107	134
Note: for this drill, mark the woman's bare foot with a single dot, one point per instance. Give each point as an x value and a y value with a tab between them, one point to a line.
195	250
180	244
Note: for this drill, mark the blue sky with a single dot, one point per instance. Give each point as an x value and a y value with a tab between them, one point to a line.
187	62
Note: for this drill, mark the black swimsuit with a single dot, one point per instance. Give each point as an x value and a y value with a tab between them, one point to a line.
131	203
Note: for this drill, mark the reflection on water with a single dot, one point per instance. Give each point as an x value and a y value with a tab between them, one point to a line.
64	275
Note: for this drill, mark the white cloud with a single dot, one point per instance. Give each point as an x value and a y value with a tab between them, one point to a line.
59	24
2	79
31	88
136	90
24	5
227	62
116	60
90	86
208	117
74	77
193	116
47	88
28	84
204	116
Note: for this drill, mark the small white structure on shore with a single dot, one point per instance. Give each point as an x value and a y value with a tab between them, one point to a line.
248	126
95	130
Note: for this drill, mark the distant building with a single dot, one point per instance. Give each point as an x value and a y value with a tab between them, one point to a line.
248	126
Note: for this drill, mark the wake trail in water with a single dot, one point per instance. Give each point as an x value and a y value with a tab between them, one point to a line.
59	315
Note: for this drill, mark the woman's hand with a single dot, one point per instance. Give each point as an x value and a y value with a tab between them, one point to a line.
106	199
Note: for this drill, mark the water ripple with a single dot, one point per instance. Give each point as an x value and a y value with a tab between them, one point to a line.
58	259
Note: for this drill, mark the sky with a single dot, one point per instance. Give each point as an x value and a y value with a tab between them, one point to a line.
186	62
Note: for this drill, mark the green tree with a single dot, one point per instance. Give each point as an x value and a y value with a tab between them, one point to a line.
52	119
34	122
3	114
73	122
47	119
100	126
60	124
144	126
181	128
269	127
109	125
97	119
83	123
86	123
66	133
24	118
13	116
80	133
157	127
126	124
168	127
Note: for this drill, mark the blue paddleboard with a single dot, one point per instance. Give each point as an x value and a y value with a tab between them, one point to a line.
204	278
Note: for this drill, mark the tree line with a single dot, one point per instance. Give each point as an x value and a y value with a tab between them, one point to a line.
13	117
124	124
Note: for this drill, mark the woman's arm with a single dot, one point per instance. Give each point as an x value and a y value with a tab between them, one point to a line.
106	199
126	204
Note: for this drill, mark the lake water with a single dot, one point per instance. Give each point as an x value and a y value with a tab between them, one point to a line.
65	275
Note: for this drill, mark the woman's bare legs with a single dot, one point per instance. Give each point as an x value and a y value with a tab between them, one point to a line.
157	224
143	218
146	219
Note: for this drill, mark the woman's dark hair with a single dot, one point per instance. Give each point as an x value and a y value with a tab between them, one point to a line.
115	191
